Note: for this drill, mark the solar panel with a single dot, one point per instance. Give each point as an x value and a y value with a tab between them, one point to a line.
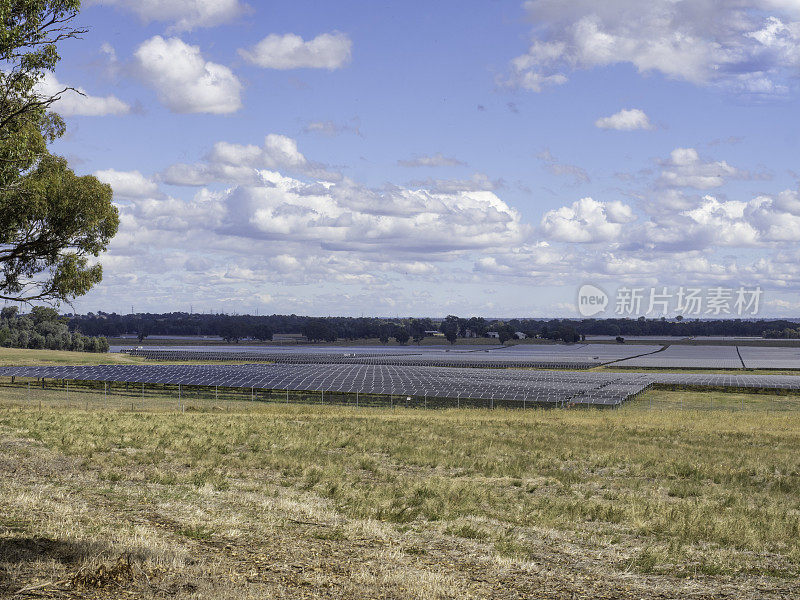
688	357
543	356
512	385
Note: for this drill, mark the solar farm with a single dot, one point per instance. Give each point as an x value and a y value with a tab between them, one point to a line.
286	470
544	356
583	356
492	376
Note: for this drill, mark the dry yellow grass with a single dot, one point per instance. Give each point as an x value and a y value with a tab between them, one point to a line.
254	500
13	357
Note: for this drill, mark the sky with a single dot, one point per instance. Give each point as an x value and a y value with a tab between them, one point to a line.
432	158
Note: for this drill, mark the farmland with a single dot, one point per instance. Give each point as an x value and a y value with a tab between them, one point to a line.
267	500
141	492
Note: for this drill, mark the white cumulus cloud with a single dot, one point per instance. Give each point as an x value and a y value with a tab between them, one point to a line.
587	221
184	15
128	184
242	163
750	45
685	168
627	119
184	81
326	51
79	103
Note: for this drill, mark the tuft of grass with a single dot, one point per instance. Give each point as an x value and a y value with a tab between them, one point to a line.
197	532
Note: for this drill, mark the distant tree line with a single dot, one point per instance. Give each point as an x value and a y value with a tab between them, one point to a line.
44	328
783	334
326	329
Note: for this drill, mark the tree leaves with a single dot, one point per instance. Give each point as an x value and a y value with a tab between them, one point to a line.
51	220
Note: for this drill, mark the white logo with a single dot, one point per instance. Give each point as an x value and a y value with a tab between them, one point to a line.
591	300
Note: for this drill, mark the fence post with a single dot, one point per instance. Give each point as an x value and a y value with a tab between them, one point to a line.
356	398
458	400
67	381
287	395
426	399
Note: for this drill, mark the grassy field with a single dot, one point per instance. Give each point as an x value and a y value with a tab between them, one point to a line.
15	357
256	500
128	494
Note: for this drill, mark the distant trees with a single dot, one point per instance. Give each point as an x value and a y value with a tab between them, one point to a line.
401	335
477	326
450	327
261	332
144	330
43	328
505	333
232	332
358	328
318	330
418	327
786	333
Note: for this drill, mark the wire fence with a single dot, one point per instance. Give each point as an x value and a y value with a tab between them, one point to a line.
46	394
126	396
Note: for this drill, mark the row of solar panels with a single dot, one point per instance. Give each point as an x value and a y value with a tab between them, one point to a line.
511	385
528	356
496	360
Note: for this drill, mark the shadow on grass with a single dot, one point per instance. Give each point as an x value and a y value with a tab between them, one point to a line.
19	555
26	549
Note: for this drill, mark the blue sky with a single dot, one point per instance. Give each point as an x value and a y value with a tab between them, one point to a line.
433	158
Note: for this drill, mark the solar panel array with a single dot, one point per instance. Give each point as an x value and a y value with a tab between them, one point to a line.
547	356
688	357
512	385
580	356
756	357
522	386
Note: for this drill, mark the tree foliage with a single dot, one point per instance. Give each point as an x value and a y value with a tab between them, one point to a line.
51	221
402	336
450	328
505	333
43	328
359	328
318	330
